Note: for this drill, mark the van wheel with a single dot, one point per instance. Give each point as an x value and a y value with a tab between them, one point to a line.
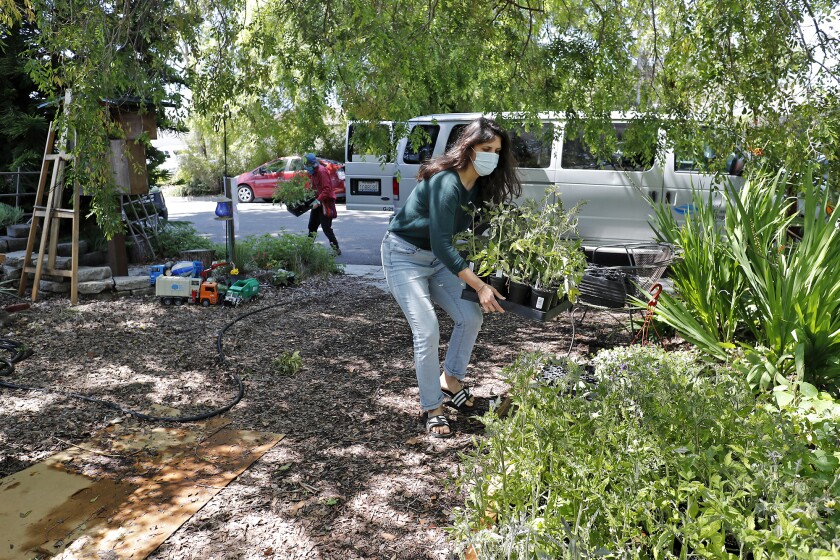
179	301
244	194
205	302
166	301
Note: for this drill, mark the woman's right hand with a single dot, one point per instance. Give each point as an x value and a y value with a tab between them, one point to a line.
487	299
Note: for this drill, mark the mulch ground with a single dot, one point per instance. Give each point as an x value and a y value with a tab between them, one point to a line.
355	477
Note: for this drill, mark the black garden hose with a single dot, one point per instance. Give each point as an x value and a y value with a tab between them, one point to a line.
19	352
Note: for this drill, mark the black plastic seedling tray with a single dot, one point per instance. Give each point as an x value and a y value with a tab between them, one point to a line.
524	310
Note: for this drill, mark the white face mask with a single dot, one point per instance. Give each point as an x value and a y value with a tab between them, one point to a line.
485	162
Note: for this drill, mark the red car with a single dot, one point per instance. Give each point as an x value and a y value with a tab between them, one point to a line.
261	182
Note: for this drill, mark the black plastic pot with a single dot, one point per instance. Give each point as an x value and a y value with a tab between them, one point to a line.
500	284
543	299
519	292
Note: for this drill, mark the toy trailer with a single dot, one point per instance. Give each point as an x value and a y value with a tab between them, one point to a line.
178	290
242	290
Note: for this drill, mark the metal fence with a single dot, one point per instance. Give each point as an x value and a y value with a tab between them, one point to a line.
18	188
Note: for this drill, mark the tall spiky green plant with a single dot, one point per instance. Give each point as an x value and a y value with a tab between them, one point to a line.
706	277
753	283
794	289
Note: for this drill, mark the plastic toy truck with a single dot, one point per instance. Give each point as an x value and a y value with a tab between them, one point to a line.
242	290
178	290
186	269
154	271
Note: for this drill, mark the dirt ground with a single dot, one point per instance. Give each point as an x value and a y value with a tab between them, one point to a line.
355	477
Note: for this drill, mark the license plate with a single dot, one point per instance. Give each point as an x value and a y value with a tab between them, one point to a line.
368	187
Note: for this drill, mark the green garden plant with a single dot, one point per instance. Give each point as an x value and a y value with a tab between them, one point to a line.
756	285
175	237
288	363
668	458
295	253
293	192
534	244
10	215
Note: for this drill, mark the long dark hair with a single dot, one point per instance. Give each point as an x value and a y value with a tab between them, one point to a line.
501	185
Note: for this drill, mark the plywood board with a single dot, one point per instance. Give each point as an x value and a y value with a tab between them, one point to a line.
156	479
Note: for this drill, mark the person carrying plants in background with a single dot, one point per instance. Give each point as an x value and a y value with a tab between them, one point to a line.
323	207
422	267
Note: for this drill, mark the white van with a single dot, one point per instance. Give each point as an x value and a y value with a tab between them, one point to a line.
371	180
617	194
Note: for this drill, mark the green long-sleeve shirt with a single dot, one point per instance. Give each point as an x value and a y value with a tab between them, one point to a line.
433	213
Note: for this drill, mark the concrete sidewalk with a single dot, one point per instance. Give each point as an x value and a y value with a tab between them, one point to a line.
371	273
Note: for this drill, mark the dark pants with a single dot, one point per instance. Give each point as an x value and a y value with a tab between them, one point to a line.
317	218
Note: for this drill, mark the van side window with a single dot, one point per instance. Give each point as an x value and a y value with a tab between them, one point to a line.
454	134
423	151
532	148
576	154
686	162
366	142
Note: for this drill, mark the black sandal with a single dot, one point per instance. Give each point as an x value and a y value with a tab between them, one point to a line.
458	401
438	421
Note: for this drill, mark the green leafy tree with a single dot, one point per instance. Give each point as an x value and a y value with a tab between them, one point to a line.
759	77
23	119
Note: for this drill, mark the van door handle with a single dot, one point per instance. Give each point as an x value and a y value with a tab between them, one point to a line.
653	196
667	197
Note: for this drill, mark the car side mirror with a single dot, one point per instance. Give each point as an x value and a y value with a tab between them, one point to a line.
261	170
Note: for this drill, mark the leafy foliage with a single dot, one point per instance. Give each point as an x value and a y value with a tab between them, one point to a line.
759	78
291	252
295	191
754	282
533	243
10	215
666	460
176	237
288	363
23	127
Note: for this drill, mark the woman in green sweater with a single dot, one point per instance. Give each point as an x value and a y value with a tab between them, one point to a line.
422	267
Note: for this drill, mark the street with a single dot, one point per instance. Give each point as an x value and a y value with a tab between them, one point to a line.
359	233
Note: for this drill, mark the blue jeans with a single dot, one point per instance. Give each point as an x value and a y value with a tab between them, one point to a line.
418	280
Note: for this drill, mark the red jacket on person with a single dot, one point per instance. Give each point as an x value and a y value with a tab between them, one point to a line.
322	183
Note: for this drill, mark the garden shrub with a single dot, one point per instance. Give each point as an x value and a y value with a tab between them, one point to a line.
10	215
289	252
765	280
665	459
176	237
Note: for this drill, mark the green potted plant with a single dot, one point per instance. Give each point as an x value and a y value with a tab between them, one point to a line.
295	193
504	225
10	217
557	263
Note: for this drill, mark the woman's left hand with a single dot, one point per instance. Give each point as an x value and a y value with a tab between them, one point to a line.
487	299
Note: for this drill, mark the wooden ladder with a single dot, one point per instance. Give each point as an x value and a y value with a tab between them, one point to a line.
52	168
